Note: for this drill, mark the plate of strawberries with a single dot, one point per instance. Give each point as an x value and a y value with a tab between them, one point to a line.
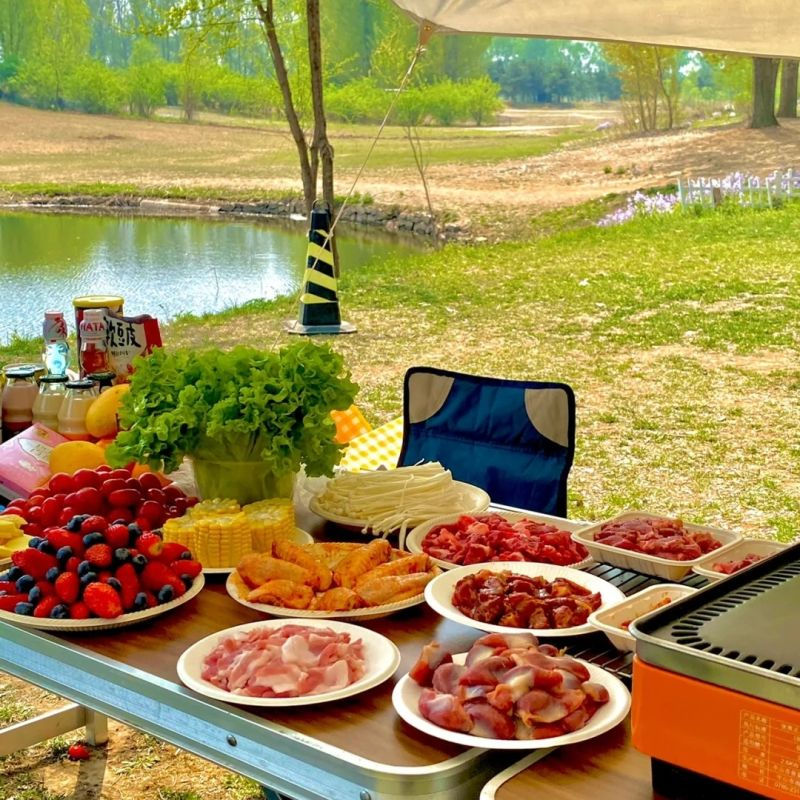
89	574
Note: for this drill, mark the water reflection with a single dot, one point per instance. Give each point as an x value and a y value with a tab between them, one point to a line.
160	266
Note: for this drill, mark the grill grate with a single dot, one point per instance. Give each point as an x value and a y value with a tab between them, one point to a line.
595	648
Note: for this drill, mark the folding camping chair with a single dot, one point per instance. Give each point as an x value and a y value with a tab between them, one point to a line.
514	439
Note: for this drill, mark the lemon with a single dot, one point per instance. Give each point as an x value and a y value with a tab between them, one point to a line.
69	457
101	418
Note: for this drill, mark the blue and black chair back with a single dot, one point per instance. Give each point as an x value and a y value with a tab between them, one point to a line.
514	439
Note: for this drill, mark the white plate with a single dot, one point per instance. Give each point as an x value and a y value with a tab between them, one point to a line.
666	568
405	698
99	624
637	605
415	537
439	593
381	659
299	537
760	547
373	612
474	499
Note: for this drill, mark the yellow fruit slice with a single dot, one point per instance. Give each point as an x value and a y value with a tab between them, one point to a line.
71	456
101	418
20	543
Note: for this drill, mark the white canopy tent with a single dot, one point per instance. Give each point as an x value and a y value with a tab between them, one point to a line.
751	27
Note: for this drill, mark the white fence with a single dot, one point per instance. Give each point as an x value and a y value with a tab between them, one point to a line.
746	190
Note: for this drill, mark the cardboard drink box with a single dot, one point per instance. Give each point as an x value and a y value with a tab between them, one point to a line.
24	460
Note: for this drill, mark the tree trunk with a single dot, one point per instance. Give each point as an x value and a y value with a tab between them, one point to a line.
321	148
267	16
667	98
788	102
765	73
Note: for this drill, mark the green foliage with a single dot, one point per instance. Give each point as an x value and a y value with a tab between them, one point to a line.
94	88
145	79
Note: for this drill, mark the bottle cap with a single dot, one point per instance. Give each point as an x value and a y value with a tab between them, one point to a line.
81	384
53	379
20	372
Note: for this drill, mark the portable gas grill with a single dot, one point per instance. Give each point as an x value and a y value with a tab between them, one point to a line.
716	686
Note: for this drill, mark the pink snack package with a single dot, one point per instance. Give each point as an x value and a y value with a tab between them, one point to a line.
25	460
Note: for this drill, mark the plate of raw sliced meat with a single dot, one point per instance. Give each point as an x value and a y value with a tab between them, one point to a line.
509	692
288	662
453	541
514	596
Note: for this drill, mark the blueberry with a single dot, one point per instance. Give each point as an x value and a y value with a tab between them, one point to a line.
35	541
122	554
12	573
84	567
34	595
5	576
59	612
114	584
165	593
24	608
74	525
140	602
45	547
93	538
120	521
185	556
63	553
88	577
140	562
187	581
25	584
52	574
134	530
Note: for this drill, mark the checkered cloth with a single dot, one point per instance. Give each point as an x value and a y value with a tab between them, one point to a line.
379	447
349	424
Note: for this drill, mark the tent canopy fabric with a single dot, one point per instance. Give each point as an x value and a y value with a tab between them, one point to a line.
750	27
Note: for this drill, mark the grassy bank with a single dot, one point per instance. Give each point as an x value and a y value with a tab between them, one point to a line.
679	336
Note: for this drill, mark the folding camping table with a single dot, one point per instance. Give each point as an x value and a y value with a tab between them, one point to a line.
353	749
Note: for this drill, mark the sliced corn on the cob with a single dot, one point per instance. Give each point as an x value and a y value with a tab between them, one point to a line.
270	521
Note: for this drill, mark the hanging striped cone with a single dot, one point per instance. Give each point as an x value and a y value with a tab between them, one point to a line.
319	304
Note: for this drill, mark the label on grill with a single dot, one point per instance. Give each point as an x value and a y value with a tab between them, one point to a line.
769	752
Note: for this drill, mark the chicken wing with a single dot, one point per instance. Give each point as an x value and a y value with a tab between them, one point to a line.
394	588
337	599
286	594
321	575
258	568
401	566
331	553
367	557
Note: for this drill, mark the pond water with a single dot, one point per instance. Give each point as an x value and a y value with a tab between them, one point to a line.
161	266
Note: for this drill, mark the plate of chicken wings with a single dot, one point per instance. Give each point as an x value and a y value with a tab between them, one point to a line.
509	692
279	663
331	580
516	596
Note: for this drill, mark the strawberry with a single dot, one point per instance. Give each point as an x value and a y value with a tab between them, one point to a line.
79	610
45	606
72	564
117	536
155	575
8	587
171	551
78	752
150	544
9	601
178	587
185	568
102	600
58	537
99	555
152	601
33	562
68	587
46	588
104	575
129	581
94	524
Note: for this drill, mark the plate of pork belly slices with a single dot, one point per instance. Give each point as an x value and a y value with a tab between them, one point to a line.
288	662
332	580
509	692
517	596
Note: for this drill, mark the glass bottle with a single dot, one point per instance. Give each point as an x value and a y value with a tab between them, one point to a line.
104	380
52	391
72	414
94	344
56	350
19	394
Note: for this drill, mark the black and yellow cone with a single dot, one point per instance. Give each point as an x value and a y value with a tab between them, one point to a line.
319	303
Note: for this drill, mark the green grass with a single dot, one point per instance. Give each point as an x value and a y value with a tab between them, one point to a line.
25	787
679	336
172	794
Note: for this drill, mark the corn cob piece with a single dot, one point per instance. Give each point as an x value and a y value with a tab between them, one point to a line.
222	540
210	508
180	529
270	521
